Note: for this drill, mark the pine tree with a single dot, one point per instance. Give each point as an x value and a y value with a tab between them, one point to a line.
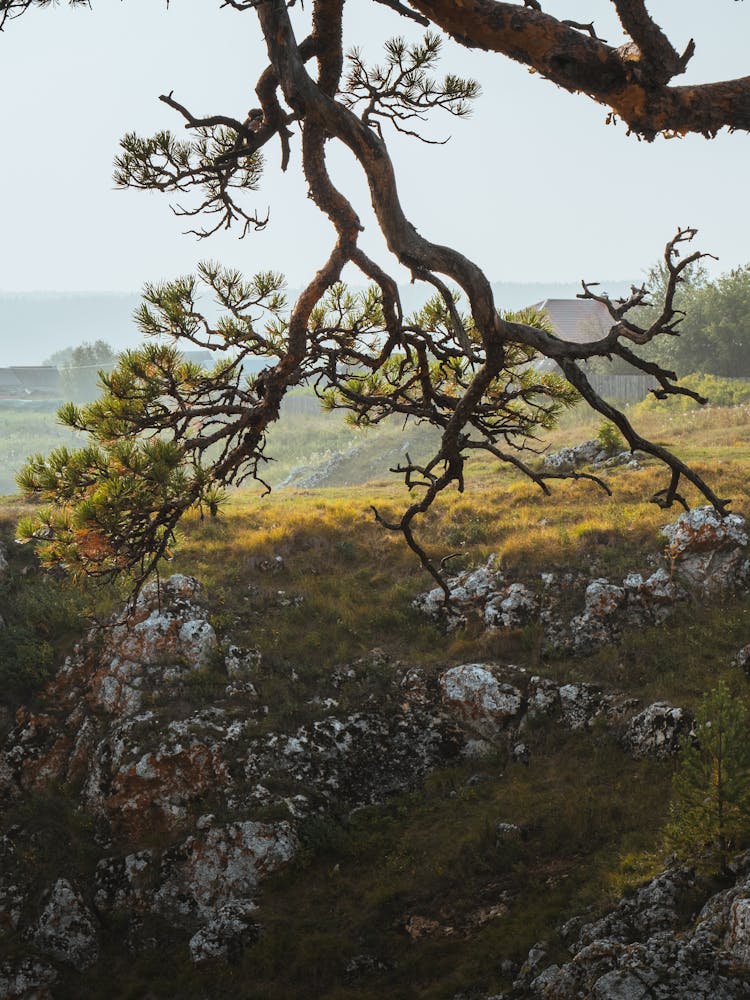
710	814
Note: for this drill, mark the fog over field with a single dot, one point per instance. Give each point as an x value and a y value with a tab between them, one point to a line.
34	325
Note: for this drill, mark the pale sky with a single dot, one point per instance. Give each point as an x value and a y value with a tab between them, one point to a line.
533	186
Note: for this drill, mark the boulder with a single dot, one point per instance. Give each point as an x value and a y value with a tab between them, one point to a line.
742	659
28	979
223	865
656	731
543	697
226	934
66	929
512	607
650	948
707	550
603	598
737	940
473	693
579	703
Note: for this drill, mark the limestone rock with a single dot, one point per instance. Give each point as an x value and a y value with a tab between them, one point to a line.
738	934
512	607
27	980
579	704
742	659
544	697
708	550
703	528
225	935
603	598
569	459
224	865
477	697
706	554
651	948
66	927
241	663
125	883
656	731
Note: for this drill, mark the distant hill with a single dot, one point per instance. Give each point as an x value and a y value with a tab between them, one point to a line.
34	325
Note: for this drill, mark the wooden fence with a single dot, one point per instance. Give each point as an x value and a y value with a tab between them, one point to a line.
623	388
616	388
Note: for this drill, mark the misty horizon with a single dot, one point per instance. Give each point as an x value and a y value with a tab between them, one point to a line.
35	325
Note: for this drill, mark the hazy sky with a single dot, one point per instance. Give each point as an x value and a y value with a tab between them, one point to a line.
534	186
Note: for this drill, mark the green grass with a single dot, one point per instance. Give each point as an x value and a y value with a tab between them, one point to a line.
42	617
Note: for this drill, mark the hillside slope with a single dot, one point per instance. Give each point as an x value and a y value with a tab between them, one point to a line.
289	781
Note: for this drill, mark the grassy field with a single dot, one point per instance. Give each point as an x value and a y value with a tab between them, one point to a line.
593	817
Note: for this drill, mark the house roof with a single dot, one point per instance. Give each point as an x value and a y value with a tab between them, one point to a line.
40	378
8	380
577	320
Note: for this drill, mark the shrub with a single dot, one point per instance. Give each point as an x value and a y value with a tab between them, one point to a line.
717	390
711	809
609	437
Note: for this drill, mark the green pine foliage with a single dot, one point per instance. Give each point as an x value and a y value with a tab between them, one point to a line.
711	810
166	436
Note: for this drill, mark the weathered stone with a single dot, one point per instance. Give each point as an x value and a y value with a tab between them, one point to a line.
544	697
738	933
708	550
512	607
66	927
742	659
622	985
568	459
223	865
27	980
650	947
705	552
579	704
704	528
152	794
125	883
226	934
477	697
656	731
603	598
241	663
176	590
508	831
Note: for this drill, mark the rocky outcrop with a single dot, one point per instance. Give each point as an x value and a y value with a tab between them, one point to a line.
656	732
66	928
192	805
591	453
120	736
227	933
27	979
478	698
705	555
499	703
708	552
660	944
305	477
